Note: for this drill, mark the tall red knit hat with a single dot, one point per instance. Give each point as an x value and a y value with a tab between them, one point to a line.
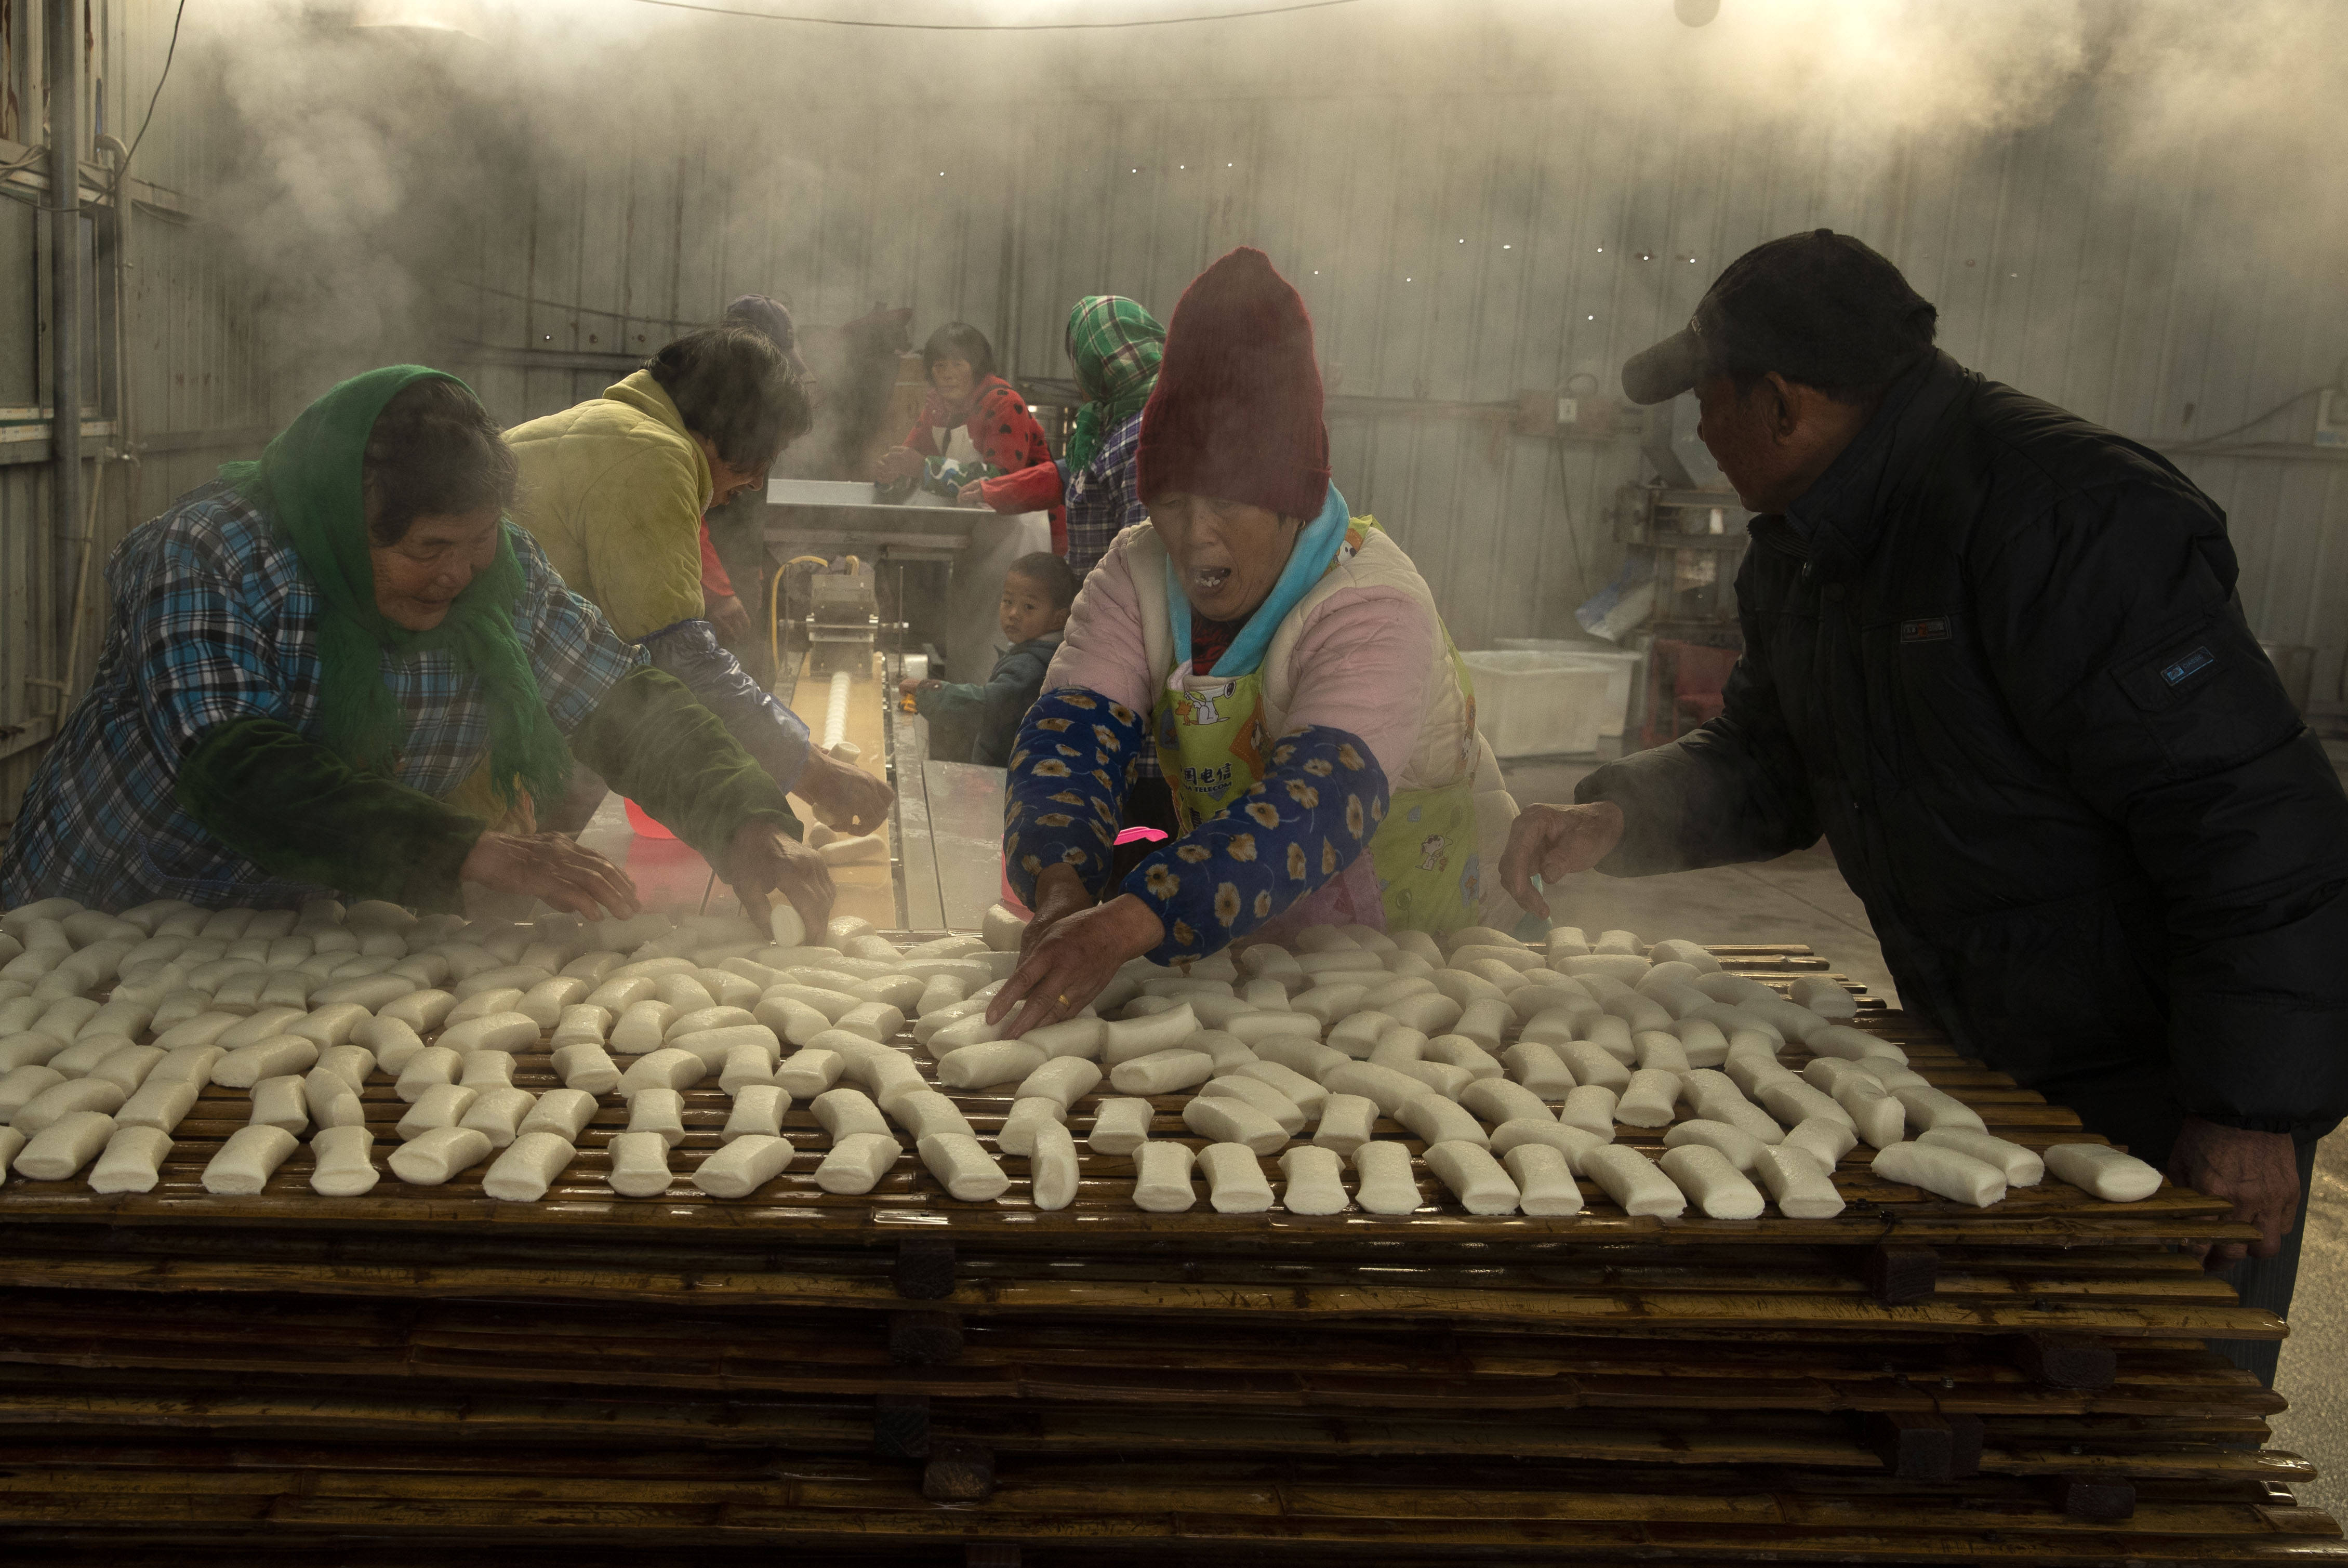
1236	415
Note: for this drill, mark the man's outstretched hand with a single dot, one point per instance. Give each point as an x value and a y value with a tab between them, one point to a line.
2258	1172
1555	841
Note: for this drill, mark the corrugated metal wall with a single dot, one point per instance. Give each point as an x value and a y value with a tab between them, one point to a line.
191	336
1455	250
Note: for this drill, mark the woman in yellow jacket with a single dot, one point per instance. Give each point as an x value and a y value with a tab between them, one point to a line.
614	490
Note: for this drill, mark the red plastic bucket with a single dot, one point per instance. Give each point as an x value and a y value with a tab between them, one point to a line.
641	822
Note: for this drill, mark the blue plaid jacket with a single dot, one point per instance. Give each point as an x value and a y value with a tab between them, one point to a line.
214	619
1103	498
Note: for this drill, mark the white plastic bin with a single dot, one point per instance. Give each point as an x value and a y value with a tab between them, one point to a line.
1537	704
1621	665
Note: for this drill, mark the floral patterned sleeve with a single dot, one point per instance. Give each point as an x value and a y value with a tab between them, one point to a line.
1304	821
1065	793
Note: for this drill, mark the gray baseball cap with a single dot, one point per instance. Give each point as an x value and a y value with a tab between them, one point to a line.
1819	308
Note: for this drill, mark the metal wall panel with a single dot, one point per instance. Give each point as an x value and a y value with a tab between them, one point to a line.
1456	249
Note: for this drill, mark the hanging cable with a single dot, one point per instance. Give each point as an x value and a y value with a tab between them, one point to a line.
170	52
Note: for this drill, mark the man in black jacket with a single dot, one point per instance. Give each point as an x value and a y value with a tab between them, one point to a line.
1993	653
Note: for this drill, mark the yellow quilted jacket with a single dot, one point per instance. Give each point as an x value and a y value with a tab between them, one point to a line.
614	490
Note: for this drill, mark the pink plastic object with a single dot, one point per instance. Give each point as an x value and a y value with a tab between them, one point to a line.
1141	835
641	822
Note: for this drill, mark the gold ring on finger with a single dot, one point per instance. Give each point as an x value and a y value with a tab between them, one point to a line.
1064	998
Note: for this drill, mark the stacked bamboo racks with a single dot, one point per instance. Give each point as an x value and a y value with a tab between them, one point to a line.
905	1378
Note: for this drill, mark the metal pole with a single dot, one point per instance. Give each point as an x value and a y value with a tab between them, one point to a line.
63	24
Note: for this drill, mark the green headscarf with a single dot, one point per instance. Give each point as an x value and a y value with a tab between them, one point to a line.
309	480
1115	346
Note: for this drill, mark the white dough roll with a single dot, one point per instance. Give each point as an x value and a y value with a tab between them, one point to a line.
2103	1170
1314	1180
1593	1065
1257	1029
529	1166
1347	1121
1235	1180
808	1072
855	1164
717	1047
1742	1149
1878	1117
1223	1120
1027	1117
743	1166
442	1105
746	1067
1943	1172
1792	1101
1650	1100
1543	1177
1062	1079
1573	1142
1081	1037
245	1162
1538	1069
1712	1183
1052	1170
1823	1140
1162	1072
845	1113
1479	1182
329	1101
924	1112
1390	1090
160	1105
991	1063
1385	1185
1801	1187
343	1162
659	1112
486	1070
565	1112
1306	1094
1931	1109
2023	1167
667	1067
639	1165
586	1067
71	1097
1632	1180
497	1114
1262	1096
757	1111
1120	1126
1161	1178
1496	1100
1591	1107
132	1161
277	1058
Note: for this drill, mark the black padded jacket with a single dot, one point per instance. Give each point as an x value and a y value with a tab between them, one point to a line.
2001	667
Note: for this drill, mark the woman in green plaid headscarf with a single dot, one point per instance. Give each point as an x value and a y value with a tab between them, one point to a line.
1115	346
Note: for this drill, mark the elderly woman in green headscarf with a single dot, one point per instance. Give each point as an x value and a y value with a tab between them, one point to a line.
1115	346
307	658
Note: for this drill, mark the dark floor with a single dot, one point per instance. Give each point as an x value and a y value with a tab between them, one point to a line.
1803	898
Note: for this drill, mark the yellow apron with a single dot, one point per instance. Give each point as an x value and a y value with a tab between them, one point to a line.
1212	745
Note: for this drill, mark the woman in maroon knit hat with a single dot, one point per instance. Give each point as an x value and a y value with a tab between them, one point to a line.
1285	662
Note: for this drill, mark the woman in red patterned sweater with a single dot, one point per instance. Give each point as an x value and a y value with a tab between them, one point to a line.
973	412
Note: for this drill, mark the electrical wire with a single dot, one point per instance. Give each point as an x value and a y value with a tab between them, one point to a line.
170	52
2340	379
997	26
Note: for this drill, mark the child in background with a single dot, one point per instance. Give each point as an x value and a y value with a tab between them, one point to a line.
972	723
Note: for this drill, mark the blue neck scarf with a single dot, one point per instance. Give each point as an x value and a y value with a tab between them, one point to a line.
1316	547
